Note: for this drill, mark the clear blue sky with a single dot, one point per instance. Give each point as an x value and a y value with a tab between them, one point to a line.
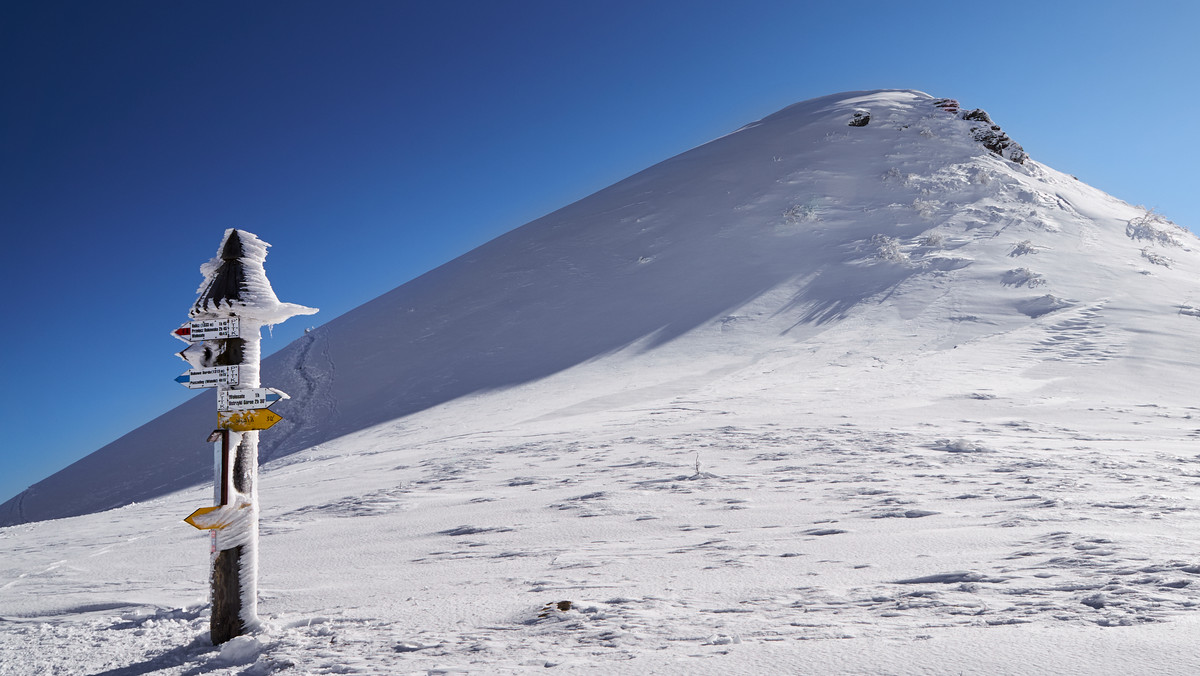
370	141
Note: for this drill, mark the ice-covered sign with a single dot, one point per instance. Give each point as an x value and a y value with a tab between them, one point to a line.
210	377
203	355
208	329
247	421
245	400
220	516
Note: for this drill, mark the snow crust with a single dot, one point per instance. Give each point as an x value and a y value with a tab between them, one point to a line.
810	398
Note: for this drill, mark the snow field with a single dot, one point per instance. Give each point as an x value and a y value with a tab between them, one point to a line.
788	537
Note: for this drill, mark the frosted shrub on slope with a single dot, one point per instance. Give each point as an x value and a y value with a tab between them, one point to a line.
1156	259
888	249
1023	277
925	208
933	241
961	446
1022	248
894	175
1154	228
799	213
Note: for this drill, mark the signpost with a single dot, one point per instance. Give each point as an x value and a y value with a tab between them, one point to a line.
246	421
217	517
235	302
245	400
208	329
201	355
210	377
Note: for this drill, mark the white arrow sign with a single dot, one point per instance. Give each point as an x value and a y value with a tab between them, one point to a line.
246	400
210	377
208	329
202	355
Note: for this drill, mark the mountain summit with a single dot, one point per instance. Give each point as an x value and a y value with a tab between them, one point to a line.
886	246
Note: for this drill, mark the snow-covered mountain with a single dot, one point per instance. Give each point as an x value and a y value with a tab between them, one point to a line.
862	369
773	234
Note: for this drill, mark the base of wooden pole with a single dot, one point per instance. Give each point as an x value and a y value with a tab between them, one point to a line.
227	596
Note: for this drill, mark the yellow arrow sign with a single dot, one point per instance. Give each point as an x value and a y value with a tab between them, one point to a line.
216	518
245	421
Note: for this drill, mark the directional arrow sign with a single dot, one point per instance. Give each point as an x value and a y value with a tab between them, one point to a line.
208	329
210	377
246	421
244	400
216	518
201	355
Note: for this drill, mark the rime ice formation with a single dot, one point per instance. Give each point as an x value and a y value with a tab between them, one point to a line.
246	293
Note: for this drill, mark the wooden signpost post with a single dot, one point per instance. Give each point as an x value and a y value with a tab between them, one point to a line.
223	338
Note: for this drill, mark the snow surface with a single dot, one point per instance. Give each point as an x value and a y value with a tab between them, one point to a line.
810	398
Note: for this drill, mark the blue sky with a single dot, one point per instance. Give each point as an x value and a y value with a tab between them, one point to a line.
371	141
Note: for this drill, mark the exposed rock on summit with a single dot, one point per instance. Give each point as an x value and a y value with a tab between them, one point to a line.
993	138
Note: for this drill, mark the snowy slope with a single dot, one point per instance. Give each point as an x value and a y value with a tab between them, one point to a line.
810	398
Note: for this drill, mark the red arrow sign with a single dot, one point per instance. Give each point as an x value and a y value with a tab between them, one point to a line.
208	329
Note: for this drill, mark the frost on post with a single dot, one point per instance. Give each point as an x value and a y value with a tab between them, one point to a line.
235	284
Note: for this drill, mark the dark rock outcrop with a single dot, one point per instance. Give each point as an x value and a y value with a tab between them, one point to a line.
993	138
978	115
861	118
